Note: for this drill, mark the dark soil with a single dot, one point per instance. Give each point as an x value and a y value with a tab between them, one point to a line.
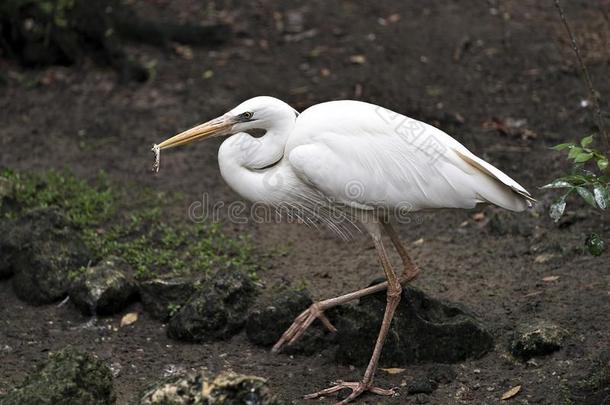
465	66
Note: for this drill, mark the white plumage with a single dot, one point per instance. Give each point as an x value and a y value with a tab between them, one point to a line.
355	154
348	162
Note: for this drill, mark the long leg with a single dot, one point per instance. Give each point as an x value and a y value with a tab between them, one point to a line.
410	269
394	291
316	310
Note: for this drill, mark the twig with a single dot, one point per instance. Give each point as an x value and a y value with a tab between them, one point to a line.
587	79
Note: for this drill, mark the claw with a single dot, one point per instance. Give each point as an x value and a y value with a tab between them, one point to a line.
357	389
300	325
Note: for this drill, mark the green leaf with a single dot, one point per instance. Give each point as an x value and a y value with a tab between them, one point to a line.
562	146
595	244
602	164
558	183
583	157
586	141
557	209
586	195
575	151
599	194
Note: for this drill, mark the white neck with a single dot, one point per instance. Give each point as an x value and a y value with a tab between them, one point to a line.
248	164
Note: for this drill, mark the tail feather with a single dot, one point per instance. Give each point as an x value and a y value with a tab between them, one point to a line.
502	179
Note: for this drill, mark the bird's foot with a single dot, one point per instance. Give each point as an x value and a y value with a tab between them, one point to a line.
300	325
357	389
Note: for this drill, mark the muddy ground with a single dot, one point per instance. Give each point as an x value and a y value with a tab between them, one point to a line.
460	65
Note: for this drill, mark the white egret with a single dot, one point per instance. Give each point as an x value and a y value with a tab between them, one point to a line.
350	163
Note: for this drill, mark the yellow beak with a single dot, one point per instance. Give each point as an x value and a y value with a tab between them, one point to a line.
215	127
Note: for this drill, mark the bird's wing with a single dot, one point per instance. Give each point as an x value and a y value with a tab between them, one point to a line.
367	157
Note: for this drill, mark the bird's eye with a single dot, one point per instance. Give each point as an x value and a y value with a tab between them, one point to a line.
247	115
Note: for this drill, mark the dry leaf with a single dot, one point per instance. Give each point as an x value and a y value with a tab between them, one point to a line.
393	18
129	319
543	258
549	279
479	216
511	392
358	59
418	242
394	370
184	51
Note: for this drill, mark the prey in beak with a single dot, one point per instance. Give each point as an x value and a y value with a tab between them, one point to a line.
216	127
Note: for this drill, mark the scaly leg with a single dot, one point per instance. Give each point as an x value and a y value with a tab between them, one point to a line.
316	310
410	269
394	291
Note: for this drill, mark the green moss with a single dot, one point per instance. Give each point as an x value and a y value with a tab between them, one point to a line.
84	204
133	227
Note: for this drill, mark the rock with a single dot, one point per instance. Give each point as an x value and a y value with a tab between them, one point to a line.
592	388
421	385
17	233
7	249
267	323
162	297
198	388
509	223
536	338
423	330
103	289
441	373
67	377
43	253
7	195
215	311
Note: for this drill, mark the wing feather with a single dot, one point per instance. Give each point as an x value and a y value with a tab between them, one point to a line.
392	161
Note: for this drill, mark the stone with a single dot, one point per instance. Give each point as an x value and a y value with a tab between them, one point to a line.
424	329
163	297
267	323
536	338
7	195
441	373
216	311
593	388
199	388
503	222
67	377
105	288
16	233
43	250
421	385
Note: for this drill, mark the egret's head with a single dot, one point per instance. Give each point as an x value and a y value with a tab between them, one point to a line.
256	113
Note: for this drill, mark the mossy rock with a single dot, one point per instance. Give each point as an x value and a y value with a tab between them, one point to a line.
201	389
17	233
162	297
509	223
424	329
268	321
104	289
68	377
7	195
43	252
217	311
537	338
591	385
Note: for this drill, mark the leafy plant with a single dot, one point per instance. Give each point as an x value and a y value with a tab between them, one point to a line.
593	185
